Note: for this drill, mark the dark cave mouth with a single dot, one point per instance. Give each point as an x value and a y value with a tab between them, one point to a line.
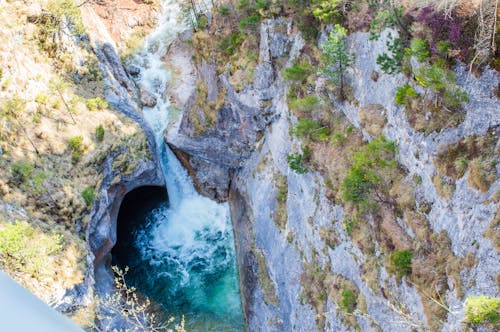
182	259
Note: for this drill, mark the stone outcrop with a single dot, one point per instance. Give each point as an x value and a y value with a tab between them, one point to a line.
278	259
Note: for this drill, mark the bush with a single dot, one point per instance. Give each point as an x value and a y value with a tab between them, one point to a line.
482	309
365	173
310	128
296	163
349	301
418	49
391	64
297	72
97	103
231	43
224	10
443	83
22	170
404	93
304	104
75	144
327	10
25	250
88	195
401	262
99	133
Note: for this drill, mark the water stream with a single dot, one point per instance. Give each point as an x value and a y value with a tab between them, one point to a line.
180	251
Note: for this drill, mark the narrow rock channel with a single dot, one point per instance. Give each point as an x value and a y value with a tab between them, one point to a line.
180	250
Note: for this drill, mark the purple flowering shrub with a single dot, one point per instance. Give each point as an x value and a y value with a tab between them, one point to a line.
453	29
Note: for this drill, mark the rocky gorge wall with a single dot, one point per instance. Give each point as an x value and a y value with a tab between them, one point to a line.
295	255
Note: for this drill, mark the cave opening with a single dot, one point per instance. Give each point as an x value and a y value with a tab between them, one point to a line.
182	258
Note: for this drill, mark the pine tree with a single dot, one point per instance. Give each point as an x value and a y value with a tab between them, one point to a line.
336	57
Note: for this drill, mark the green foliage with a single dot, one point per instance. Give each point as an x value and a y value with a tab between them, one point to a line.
68	9
224	10
348	301
404	93
88	195
99	133
249	23
364	175
419	49
22	170
327	11
297	72
387	15
25	250
391	64
443	83
75	144
335	55
304	104
311	129
231	43
401	262
482	309
296	163
97	103
443	47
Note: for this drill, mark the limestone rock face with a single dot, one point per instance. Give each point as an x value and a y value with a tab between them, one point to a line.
240	120
280	234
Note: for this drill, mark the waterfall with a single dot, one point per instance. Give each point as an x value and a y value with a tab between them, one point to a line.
185	248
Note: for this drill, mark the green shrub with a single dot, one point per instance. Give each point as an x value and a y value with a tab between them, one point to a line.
327	10
99	133
349	300
310	128
401	262
22	170
443	47
482	309
97	103
338	138
75	144
335	56
88	195
443	83
418	49
404	93
224	10
297	72
296	163
365	173
304	104
231	43
391	64
23	249
249	23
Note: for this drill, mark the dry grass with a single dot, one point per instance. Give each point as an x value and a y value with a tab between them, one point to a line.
41	110
493	231
280	214
314	289
266	284
373	118
476	154
433	264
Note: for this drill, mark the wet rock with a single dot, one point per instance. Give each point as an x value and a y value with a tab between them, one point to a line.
147	98
134	70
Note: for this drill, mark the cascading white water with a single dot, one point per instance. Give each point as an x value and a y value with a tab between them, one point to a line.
185	248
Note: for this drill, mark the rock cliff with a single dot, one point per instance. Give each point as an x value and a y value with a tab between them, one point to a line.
297	259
